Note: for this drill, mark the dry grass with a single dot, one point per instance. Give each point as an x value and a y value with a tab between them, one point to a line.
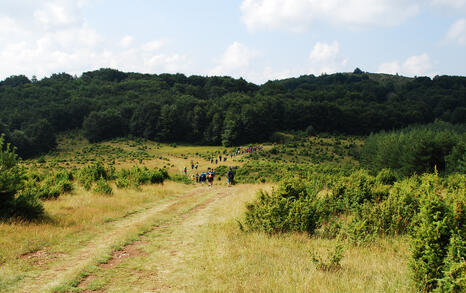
73	220
207	252
198	248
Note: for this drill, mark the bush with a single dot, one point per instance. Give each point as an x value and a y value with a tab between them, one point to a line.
27	206
359	188
122	182
12	202
181	178
52	185
137	176
430	242
89	174
333	259
102	187
289	208
386	177
454	279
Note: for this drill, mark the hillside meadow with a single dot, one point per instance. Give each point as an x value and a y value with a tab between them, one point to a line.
122	216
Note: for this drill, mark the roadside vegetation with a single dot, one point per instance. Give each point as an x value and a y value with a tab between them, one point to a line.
320	212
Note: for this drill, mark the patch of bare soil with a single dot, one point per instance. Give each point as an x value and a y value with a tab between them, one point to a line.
42	256
130	250
86	281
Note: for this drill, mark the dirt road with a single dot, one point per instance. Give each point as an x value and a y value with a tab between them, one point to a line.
132	237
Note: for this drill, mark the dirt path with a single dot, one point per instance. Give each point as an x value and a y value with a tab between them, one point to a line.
160	216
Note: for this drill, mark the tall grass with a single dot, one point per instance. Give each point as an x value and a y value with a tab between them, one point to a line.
72	221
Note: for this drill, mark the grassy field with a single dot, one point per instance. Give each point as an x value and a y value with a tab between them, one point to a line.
208	252
178	237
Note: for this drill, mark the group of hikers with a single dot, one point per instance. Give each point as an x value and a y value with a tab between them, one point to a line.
209	177
237	152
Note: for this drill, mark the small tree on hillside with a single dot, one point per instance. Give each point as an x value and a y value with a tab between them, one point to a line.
24	205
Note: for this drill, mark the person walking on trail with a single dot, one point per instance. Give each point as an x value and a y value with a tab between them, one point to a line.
197	165
203	177
197	177
185	170
230	177
193	178
210	178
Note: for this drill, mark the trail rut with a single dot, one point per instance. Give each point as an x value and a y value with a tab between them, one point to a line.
155	217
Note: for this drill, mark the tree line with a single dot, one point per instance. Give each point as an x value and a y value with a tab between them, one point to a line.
108	103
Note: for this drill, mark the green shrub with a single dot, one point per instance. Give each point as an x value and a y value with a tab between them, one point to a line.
386	177
359	188
137	176
397	213
13	203
27	206
89	174
181	178
363	227
289	208
454	279
51	185
430	242
332	263
122	182
102	187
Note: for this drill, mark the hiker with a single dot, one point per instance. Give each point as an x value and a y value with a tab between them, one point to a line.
197	177
193	178
203	177
185	170
210	178
197	165
216	161
220	158
230	177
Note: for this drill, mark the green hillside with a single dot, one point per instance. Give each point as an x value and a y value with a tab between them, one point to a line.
218	110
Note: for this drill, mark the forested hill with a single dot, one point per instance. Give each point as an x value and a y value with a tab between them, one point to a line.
212	110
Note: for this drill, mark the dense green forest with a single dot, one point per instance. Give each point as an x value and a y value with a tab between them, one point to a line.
218	110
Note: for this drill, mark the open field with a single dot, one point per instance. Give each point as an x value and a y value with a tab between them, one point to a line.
186	242
178	237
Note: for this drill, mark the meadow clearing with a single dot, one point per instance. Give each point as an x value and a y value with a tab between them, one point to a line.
179	236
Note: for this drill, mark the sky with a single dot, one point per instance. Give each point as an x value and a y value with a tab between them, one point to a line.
258	40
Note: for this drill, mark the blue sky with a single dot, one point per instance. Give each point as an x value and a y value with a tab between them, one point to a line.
254	39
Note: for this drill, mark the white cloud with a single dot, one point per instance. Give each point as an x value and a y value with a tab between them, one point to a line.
393	67
324	51
326	58
238	60
419	65
44	37
298	15
235	58
457	32
126	41
55	13
171	63
153	45
269	73
450	3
